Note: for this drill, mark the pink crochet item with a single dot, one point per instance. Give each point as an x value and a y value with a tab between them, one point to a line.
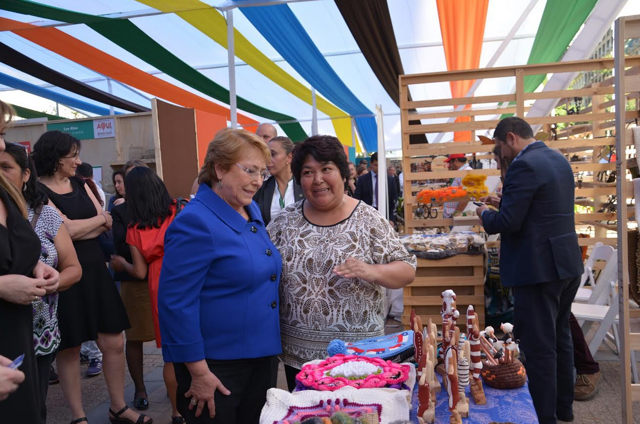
350	370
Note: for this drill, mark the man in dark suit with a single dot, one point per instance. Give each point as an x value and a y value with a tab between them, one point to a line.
541	260
367	185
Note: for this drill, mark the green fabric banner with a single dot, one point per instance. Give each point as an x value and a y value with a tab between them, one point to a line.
560	23
131	38
26	113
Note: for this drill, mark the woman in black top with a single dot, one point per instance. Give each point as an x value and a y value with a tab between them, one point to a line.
19	253
92	308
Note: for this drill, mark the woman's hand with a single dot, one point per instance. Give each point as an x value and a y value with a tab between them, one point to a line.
354	268
21	290
118	263
49	275
9	378
118	201
108	221
202	391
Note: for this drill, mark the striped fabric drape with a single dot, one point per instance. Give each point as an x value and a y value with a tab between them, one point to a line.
296	47
211	23
462	25
18	61
75	50
370	24
128	36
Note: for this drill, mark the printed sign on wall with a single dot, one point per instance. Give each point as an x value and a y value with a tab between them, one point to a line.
103	128
82	130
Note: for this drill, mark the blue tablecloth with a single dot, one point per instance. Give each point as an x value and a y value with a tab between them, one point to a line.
514	406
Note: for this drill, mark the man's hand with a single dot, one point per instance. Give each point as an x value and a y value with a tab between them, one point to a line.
480	210
492	200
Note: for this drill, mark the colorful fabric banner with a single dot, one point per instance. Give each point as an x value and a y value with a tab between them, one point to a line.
560	23
10	81
92	58
17	60
462	25
296	47
27	113
211	23
128	36
370	24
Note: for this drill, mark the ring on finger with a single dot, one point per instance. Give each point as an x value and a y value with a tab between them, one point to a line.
194	401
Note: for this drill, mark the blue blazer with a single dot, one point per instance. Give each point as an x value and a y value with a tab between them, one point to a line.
218	294
536	220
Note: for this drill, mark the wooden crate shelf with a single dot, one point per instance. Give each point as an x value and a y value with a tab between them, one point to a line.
464	274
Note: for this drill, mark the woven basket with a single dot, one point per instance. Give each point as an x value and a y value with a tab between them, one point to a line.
504	376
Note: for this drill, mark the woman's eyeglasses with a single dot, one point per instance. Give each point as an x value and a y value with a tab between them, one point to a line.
254	174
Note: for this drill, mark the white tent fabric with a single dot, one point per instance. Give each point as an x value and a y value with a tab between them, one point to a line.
415	24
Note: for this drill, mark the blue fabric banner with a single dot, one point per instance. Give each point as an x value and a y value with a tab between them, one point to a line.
296	47
52	95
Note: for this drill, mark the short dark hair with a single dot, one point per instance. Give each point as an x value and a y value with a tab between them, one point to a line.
323	148
148	200
33	193
85	170
515	125
374	157
50	148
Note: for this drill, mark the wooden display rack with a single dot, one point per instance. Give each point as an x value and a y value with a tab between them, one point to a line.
585	132
625	28
464	274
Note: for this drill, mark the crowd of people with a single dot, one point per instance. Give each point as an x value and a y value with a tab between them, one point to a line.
279	251
215	281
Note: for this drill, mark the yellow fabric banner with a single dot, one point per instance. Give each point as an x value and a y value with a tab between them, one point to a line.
211	23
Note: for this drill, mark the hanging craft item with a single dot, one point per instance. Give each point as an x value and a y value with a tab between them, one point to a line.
475	185
441	195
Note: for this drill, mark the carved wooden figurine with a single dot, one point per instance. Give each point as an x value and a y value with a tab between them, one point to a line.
473	335
449	315
451	368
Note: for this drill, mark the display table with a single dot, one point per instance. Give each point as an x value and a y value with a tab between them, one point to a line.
514	406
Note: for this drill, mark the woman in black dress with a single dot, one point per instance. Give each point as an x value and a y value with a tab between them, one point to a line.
19	253
92	308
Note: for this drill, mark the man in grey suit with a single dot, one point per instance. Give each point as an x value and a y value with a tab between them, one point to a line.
541	260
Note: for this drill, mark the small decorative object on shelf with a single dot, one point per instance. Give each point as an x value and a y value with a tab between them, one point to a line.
473	334
397	347
475	185
339	371
502	369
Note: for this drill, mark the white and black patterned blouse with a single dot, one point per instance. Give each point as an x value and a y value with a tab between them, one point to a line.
46	334
316	305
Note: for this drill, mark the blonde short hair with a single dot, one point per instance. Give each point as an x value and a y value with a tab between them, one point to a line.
228	148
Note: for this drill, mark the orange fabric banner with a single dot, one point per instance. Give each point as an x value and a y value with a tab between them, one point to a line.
462	25
92	58
207	125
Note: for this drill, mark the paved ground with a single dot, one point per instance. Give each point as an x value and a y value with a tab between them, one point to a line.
603	409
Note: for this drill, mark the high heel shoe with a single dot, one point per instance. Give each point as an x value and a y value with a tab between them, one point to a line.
115	419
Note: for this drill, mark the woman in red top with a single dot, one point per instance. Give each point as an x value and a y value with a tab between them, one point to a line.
152	210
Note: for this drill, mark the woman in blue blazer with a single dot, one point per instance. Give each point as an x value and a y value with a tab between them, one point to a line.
218	295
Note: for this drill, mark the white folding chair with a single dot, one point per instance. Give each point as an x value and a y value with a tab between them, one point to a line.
603	308
600	253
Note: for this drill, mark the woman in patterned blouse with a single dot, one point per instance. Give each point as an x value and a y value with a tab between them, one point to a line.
57	251
338	254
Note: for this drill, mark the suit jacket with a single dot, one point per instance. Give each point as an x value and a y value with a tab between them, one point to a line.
536	220
218	294
364	192
264	197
